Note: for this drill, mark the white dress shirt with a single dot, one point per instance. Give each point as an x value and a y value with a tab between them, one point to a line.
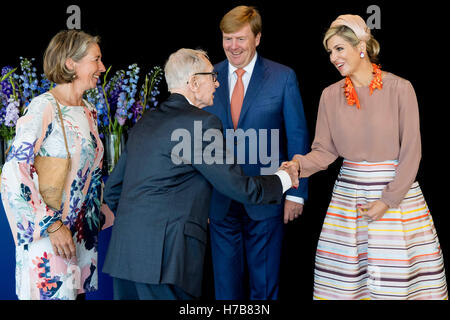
232	76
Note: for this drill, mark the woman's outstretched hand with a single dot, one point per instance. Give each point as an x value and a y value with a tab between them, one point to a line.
291	167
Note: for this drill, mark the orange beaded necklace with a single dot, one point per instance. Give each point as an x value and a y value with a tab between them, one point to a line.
350	92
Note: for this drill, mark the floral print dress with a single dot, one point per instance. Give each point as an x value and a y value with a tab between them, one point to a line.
40	274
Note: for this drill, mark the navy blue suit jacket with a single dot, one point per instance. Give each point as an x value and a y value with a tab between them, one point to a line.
272	101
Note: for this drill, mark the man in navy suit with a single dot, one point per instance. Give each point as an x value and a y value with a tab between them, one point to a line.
161	188
256	94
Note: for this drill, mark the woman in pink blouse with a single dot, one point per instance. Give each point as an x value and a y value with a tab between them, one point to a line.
378	240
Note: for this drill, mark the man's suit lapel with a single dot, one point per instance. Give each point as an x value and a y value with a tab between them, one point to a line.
253	89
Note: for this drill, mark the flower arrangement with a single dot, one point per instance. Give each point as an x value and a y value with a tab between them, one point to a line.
119	100
17	90
9	113
118	103
120	106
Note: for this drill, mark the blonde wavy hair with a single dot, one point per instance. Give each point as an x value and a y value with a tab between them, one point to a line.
66	44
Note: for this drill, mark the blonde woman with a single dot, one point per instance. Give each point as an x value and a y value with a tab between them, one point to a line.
56	251
378	240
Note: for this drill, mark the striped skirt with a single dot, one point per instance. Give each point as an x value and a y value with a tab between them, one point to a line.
396	257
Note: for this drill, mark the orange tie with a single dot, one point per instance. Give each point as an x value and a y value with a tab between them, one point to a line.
237	98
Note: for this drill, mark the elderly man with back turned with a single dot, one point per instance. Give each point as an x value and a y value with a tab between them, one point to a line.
161	195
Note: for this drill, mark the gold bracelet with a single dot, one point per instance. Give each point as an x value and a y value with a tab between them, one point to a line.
56	229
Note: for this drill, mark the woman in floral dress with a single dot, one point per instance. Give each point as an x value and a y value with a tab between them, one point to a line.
56	251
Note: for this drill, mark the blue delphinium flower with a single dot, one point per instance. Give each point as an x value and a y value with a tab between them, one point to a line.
127	96
6	86
46	84
136	112
153	91
95	97
2	115
121	111
28	82
148	93
9	116
9	111
12	113
113	89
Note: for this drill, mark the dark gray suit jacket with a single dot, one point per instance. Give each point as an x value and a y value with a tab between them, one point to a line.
161	207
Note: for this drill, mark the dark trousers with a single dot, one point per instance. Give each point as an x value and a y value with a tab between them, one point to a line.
130	290
240	245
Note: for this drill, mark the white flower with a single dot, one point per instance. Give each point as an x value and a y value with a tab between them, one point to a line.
12	113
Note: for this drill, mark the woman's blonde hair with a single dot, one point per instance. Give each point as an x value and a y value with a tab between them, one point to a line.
372	45
238	17
66	44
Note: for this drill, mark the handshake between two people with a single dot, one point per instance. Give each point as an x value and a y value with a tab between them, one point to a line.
292	209
293	169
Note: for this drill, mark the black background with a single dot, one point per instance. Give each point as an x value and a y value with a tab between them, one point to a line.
412	37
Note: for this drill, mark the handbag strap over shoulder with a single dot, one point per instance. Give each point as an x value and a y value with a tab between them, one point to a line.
62	126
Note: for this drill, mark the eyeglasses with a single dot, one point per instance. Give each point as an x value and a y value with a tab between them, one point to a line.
214	74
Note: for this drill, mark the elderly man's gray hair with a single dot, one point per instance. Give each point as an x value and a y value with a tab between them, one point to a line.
181	65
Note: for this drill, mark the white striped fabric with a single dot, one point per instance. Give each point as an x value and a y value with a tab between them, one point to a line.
396	257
